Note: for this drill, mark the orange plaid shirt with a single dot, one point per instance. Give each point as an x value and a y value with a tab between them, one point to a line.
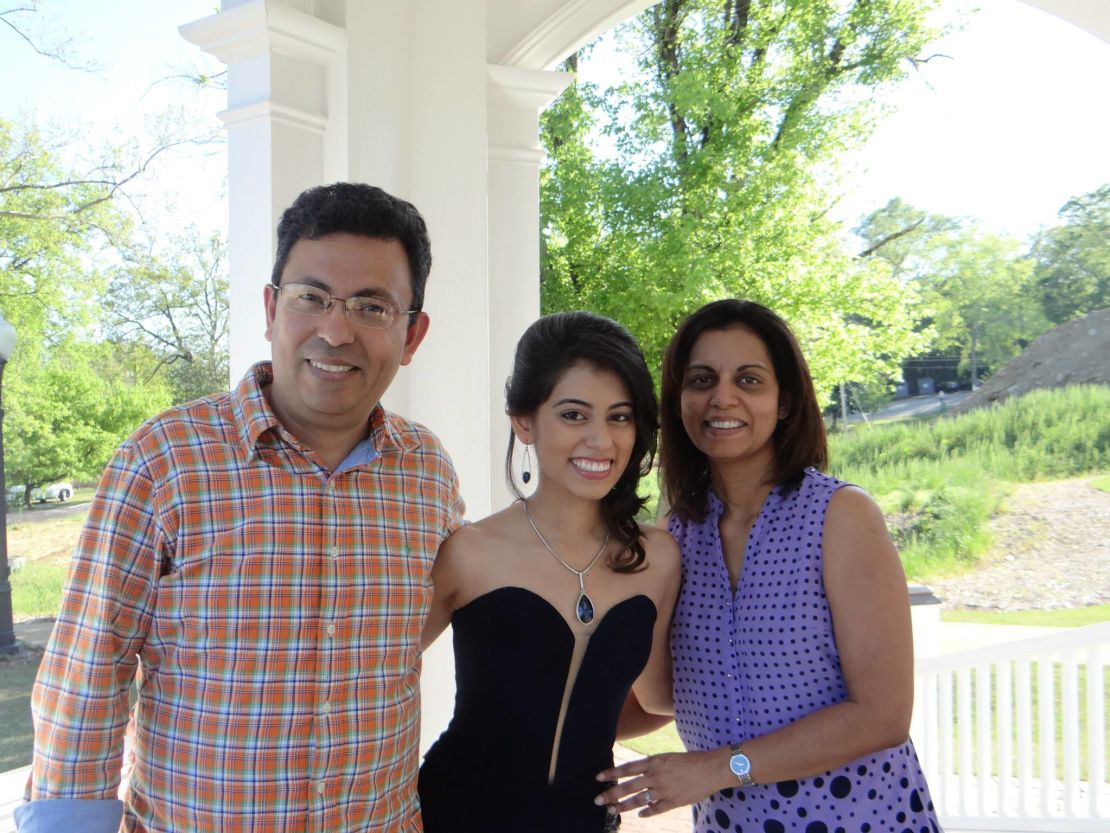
274	610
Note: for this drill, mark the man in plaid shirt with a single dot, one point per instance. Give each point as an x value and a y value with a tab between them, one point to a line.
258	564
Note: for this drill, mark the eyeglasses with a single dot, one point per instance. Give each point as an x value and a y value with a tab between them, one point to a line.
366	311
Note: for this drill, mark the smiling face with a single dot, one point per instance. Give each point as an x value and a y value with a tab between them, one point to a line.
730	398
328	372
583	433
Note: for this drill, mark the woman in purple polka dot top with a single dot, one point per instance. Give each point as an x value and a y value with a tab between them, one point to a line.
793	656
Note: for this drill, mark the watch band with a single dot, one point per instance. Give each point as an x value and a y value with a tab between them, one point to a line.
740	765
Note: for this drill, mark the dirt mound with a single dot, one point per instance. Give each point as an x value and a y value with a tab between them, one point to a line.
1051	550
1074	353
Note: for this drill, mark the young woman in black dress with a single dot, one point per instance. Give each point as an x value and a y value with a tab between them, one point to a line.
559	604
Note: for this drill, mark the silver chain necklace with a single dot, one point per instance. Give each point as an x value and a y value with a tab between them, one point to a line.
584	609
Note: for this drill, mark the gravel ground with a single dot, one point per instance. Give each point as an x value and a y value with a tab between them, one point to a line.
1051	550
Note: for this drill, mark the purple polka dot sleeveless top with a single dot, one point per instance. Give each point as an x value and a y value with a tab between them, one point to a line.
751	662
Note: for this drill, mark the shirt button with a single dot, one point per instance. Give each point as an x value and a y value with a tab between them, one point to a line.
325	709
334	552
331	630
320	787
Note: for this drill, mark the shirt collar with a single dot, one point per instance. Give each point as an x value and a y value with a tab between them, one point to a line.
716	506
254	418
388	432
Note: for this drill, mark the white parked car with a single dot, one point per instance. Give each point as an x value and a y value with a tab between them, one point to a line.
60	492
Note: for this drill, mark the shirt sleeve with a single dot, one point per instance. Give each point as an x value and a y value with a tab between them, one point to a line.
67	815
80	700
456	507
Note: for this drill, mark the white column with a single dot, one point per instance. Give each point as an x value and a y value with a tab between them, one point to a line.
447	172
286	123
417	106
401	98
516	97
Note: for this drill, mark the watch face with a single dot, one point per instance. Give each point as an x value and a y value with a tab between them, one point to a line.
740	765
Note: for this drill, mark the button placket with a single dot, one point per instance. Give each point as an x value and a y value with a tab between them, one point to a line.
325	667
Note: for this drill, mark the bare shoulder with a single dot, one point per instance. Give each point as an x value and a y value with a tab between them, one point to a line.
661	548
663	521
473	538
473	559
462	539
851	507
855	532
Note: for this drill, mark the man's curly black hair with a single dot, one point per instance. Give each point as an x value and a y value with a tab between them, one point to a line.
357	208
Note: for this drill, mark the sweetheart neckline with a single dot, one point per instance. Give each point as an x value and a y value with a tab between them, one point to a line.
555	610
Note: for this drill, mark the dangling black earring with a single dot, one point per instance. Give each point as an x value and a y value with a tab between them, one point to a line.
526	464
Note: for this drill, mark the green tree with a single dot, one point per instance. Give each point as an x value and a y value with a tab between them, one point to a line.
712	189
174	301
977	289
903	238
65	417
985	299
1073	259
55	224
52	222
70	396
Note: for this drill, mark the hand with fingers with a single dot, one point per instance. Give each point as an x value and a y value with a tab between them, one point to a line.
663	782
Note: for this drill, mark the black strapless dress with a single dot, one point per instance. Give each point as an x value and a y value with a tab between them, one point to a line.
503	765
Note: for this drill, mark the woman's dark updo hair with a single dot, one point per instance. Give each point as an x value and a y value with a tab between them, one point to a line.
547	350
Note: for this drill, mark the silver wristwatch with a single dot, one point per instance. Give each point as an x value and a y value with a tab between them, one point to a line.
740	765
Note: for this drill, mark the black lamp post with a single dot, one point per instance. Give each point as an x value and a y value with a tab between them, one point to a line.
7	626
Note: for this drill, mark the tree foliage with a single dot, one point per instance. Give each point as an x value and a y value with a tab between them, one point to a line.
51	221
81	379
977	288
175	303
711	188
984	295
904	238
1073	259
65	417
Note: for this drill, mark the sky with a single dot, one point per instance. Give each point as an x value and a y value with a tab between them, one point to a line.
134	46
1005	129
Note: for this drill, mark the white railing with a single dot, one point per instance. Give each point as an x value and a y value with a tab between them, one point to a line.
1037	763
11	796
1013	737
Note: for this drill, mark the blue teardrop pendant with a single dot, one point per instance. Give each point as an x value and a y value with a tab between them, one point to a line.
584	609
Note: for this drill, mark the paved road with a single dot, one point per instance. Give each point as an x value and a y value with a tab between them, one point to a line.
914	406
46	511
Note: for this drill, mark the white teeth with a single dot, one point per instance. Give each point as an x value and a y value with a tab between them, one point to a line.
725	423
332	368
591	465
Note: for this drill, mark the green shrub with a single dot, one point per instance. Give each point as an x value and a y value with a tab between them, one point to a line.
939	482
1046	433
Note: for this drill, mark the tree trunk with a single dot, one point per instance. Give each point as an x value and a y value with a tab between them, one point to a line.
973	355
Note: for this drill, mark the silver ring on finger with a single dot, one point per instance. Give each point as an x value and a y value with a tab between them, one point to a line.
647	797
